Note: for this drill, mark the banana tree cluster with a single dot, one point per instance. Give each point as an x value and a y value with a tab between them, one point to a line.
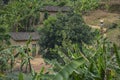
100	61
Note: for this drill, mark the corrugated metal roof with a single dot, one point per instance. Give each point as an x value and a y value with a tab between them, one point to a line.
20	36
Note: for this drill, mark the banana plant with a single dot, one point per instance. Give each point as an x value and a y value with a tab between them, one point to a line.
64	73
24	54
97	62
12	16
100	62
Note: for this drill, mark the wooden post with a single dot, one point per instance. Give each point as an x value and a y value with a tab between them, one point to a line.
101	26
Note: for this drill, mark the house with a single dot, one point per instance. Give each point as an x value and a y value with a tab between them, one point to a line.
51	11
20	39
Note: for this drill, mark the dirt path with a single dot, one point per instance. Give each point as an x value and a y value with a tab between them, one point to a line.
94	17
98	27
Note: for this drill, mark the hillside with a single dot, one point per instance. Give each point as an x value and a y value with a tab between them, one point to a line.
93	18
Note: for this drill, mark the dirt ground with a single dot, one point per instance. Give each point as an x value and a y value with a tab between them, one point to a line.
37	64
94	17
93	20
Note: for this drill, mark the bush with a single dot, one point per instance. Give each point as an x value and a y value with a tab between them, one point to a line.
98	62
113	25
69	27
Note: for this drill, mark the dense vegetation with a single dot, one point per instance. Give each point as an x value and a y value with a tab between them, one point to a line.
20	15
75	51
67	27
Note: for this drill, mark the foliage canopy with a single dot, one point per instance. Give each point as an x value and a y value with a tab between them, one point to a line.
66	27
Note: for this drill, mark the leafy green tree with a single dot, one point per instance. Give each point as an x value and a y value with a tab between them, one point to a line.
69	27
15	15
85	5
20	15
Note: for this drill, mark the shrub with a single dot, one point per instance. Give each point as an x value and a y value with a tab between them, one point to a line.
69	27
113	25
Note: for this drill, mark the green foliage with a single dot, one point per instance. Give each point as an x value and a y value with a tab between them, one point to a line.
23	15
63	73
20	14
24	54
65	37
46	15
100	61
113	25
21	76
17	76
37	76
85	5
69	27
55	2
117	55
8	58
79	6
1	2
96	63
68	69
4	37
5	50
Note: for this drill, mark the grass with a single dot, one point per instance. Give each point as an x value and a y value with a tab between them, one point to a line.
112	35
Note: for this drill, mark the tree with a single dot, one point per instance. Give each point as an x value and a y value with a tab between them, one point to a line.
20	15
85	5
69	27
14	15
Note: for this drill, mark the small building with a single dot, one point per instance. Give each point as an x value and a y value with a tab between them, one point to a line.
20	39
51	11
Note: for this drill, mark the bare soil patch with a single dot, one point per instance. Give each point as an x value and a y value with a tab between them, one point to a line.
93	20
37	64
94	17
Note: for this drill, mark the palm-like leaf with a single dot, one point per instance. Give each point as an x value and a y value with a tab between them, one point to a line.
68	69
